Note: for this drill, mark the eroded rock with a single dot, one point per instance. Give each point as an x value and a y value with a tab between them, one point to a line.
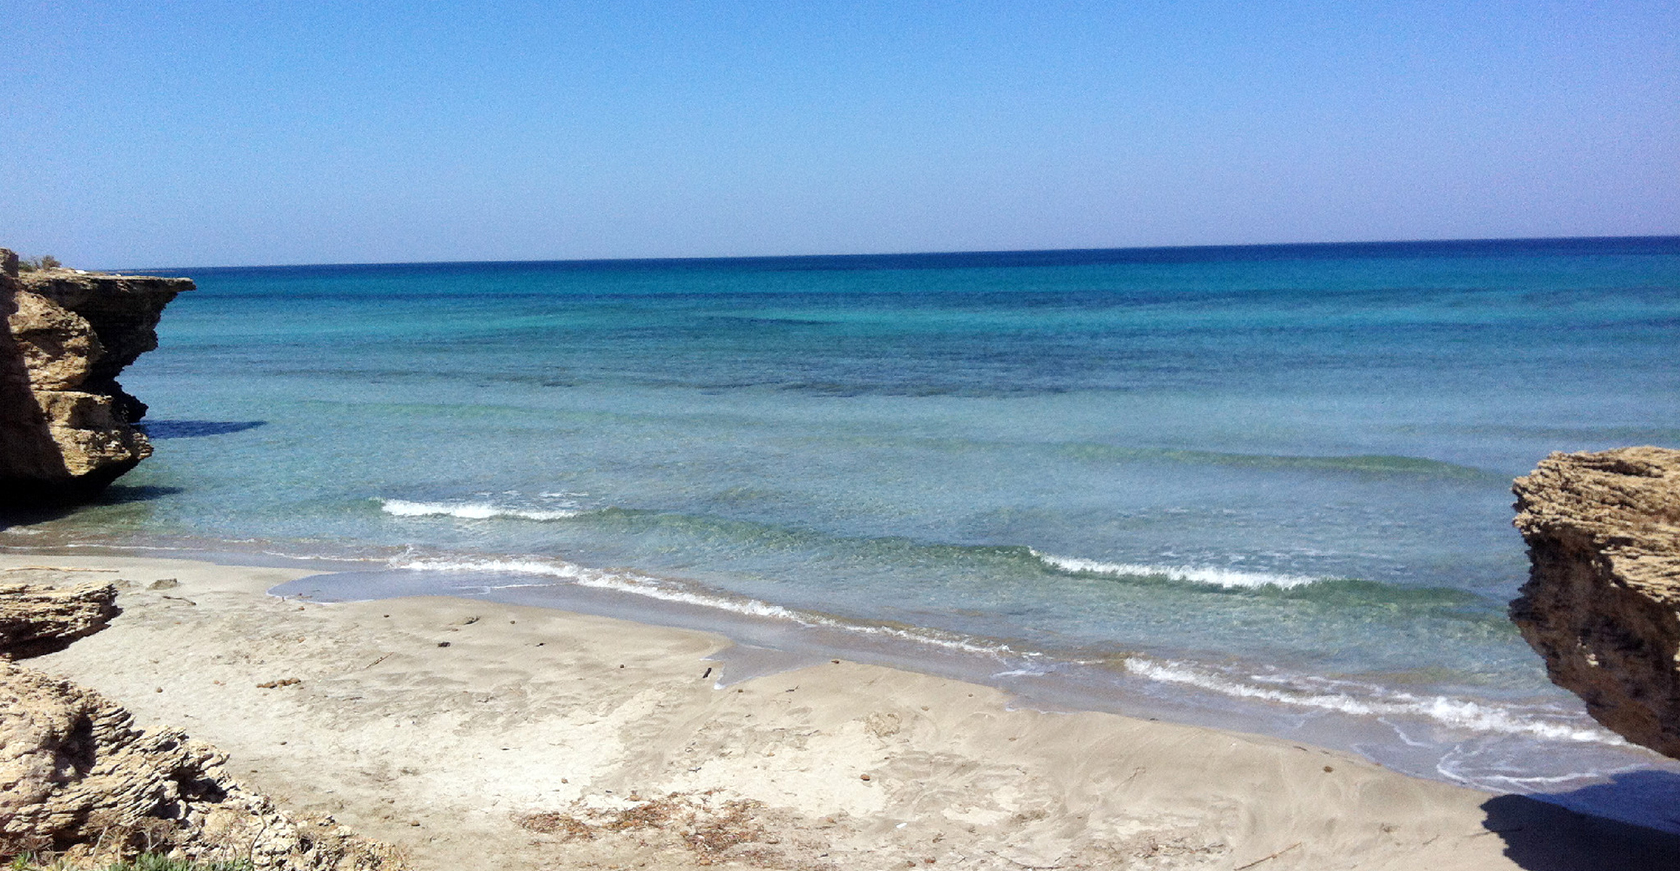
123	312
38	618
1602	603
65	422
80	779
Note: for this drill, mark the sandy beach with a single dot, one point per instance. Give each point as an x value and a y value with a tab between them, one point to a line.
475	735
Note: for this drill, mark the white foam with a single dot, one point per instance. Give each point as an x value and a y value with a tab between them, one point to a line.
1450	712
1229	578
623	582
666	591
471	510
929	637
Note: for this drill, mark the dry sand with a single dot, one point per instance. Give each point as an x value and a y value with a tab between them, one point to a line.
483	736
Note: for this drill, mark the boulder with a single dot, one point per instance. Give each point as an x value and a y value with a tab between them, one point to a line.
1602	602
65	422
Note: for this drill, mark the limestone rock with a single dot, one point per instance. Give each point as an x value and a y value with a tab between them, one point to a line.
64	420
79	778
57	346
37	619
123	311
1602	603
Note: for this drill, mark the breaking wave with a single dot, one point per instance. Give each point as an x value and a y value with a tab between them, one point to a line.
1444	710
1228	578
471	510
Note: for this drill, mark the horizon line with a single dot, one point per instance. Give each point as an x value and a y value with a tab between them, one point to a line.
1024	252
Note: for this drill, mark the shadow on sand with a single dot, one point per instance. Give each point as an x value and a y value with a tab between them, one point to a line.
1550	836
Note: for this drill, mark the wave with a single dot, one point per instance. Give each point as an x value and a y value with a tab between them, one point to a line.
1228	578
1454	713
672	591
472	510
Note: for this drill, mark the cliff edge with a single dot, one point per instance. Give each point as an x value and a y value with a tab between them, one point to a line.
65	423
1602	603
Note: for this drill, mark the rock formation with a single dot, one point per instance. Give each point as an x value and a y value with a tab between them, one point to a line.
81	780
37	619
65	422
1602	603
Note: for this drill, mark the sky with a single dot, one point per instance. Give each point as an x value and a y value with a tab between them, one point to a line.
195	133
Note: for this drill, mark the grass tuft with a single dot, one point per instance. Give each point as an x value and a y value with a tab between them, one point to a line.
44	262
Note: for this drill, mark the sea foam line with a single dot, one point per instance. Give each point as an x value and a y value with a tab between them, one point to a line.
1451	712
1228	578
654	588
604	580
470	510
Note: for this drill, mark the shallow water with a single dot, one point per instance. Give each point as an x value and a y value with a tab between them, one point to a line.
1262	487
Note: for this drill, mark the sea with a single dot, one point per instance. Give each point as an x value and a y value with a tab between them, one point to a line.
1263	488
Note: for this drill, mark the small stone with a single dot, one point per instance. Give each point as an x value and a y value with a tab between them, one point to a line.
443	644
863	777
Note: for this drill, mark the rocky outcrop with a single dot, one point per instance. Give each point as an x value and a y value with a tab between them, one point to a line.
65	422
81	781
37	619
1602	603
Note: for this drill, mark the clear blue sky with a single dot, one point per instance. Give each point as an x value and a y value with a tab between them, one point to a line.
210	133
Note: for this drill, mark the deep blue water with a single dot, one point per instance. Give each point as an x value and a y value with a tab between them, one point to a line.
1273	480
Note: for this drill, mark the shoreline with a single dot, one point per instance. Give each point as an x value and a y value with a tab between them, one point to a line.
1489	744
477	734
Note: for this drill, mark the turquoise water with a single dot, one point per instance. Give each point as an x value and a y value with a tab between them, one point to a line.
1268	485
